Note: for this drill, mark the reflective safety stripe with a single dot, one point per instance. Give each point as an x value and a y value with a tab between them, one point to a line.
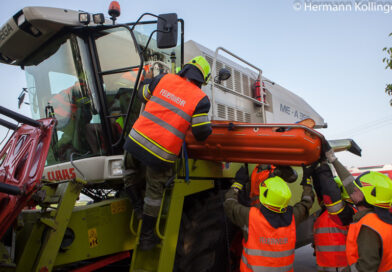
163	124
171	107
331	248
267	253
153	202
84	100
336	207
146	92
237	185
199	119
330	230
329	269
353	268
257	268
152	147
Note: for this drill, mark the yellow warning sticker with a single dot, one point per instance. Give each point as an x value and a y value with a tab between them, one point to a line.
92	237
118	206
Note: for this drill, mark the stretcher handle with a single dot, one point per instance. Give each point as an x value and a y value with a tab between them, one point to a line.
9	189
19	117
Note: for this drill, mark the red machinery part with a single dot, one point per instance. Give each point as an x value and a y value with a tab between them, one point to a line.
22	162
266	145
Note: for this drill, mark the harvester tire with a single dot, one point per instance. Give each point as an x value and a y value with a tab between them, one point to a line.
202	242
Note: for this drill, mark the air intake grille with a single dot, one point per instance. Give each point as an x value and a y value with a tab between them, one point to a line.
210	60
245	85
231	114
240	116
247	117
238	82
221	111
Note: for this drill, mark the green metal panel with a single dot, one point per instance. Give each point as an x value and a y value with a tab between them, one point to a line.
100	229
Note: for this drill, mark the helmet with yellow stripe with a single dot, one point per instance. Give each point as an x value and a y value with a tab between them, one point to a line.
275	194
201	74
376	187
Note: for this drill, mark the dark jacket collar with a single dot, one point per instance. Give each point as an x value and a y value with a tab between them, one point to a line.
278	220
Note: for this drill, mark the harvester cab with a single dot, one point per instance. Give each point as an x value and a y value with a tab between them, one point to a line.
84	71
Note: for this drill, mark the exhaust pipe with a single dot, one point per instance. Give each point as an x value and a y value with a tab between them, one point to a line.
19	117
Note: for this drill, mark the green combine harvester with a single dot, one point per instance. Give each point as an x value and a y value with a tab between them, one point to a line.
82	73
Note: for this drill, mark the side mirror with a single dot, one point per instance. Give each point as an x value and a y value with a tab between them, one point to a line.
167	30
21	97
224	74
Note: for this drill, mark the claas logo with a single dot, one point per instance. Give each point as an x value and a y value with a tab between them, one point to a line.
62	174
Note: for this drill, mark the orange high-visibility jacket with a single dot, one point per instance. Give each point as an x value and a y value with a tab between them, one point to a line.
255	179
383	229
330	243
268	248
160	130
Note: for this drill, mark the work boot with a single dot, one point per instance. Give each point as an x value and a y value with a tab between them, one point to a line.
136	201
148	239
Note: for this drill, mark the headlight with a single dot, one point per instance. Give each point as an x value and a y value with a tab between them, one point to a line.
116	168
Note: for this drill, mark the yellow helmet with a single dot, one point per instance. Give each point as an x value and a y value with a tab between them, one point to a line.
376	187
204	67
275	194
343	190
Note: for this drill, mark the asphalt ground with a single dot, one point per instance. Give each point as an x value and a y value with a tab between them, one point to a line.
304	260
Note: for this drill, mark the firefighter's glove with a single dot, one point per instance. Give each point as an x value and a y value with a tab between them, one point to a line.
328	151
308	193
241	178
307	173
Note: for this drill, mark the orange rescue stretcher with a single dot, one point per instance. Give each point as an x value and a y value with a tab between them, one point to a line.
283	144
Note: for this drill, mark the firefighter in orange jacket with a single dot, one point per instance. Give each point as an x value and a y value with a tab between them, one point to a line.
174	103
369	238
331	227
270	227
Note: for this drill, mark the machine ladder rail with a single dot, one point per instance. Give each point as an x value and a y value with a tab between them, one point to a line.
161	258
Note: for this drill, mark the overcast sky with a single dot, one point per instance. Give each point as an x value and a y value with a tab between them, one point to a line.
331	58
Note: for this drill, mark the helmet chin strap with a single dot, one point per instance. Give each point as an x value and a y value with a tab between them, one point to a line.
363	204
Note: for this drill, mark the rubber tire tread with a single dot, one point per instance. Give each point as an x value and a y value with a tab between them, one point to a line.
202	242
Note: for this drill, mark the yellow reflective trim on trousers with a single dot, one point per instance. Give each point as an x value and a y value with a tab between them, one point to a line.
148	150
144	87
335	213
335	207
333	204
237	185
200	114
155	143
196	125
